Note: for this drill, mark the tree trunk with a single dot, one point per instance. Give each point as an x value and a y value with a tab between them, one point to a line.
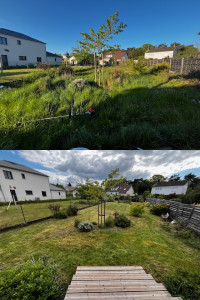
99	67
102	68
95	68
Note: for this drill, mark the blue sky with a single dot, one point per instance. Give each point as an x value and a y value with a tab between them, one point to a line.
65	166
59	23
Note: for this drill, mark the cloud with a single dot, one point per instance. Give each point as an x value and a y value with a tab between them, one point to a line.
69	165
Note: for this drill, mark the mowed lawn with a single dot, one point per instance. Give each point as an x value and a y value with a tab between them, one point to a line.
144	244
15	74
14	216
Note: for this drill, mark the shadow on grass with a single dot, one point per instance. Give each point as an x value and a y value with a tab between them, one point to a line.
148	118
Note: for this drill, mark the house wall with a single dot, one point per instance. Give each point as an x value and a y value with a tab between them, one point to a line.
170	190
56	61
160	55
30	49
32	182
130	192
58	194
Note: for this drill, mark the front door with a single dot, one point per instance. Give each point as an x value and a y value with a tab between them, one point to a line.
4	60
14	195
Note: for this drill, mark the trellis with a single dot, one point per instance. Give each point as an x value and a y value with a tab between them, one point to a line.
101	212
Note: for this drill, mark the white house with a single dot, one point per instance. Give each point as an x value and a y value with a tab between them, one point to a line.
57	192
170	187
72	61
18	49
22	183
54	59
160	53
117	56
122	189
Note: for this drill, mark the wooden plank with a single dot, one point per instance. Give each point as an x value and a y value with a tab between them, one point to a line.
94	273
105	268
120	277
132	297
115	282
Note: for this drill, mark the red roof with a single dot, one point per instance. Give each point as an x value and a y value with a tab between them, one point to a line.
116	54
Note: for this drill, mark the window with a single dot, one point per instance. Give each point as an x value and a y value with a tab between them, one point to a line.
18	42
3	40
7	174
29	192
23	176
59	193
39	59
44	194
55	59
22	57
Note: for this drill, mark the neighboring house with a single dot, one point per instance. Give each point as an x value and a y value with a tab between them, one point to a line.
57	192
75	193
22	183
122	189
170	187
69	188
54	59
18	49
112	56
72	61
160	53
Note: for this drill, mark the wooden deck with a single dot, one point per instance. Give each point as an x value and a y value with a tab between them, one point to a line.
115	283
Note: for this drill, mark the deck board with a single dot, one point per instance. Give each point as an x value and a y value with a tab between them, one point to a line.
115	282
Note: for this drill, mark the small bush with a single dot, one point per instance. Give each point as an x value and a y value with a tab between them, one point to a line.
61	214
137	209
94	223
31	280
72	210
180	224
65	70
122	221
110	222
159	67
54	208
159	209
146	204
86	226
76	222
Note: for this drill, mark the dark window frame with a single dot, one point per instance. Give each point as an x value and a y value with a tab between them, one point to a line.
39	59
44	192
29	192
3	39
8	174
23	176
19	42
22	58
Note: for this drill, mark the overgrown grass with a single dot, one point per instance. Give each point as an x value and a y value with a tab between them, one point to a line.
15	74
133	110
144	243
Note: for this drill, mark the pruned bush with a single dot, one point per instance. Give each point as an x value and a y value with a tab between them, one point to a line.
85	226
72	210
159	67
61	214
54	208
43	67
76	222
110	222
122	221
94	223
65	70
137	209
159	209
29	281
183	283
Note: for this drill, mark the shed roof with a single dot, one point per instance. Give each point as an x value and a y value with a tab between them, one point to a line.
52	54
170	183
55	188
164	49
19	167
18	35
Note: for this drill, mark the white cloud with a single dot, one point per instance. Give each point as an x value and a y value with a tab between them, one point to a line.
96	164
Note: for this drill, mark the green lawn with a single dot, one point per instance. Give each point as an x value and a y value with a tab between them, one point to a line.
14	216
145	244
14	74
133	110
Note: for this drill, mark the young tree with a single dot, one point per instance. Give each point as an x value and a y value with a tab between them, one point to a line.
113	179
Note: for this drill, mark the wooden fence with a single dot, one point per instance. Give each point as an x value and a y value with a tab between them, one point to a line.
188	212
178	65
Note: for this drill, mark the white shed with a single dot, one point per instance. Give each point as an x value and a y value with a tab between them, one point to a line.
57	192
170	187
160	53
54	59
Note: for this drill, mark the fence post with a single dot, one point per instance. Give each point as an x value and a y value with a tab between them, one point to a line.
170	64
182	64
190	216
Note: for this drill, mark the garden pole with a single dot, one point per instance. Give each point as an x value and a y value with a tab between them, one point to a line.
23	213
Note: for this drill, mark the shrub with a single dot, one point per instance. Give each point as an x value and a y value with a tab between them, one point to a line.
146	204
94	223
110	222
159	67
116	214
72	210
86	226
54	208
61	214
65	70
122	221
137	209
76	222
43	67
180	223
159	209
31	280
183	283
